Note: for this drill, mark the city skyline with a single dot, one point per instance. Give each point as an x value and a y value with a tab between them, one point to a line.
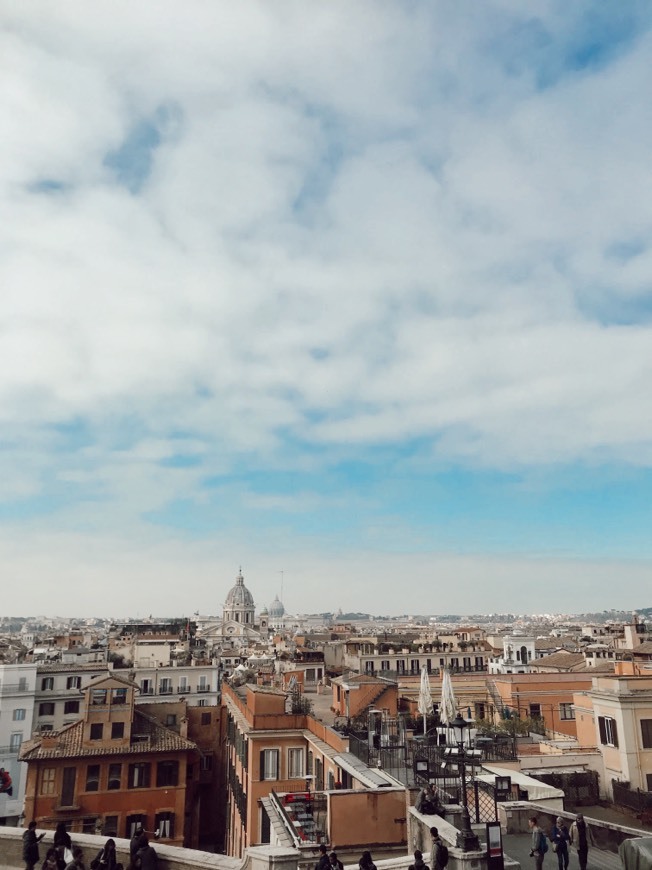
357	294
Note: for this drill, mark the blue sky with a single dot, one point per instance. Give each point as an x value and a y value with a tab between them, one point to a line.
357	293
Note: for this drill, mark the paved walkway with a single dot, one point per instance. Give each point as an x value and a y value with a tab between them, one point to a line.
517	846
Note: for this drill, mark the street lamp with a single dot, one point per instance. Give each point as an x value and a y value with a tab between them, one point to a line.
467	841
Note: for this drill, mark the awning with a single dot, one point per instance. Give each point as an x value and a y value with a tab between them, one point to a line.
360	771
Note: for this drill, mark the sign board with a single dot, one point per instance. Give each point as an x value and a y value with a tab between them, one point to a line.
495	859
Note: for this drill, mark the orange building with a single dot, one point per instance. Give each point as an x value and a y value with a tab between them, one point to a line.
277	762
355	694
548	697
112	770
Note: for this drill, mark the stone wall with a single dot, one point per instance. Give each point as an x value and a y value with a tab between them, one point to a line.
170	857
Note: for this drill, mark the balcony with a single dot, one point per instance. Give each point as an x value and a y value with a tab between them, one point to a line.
304	815
15	689
204	688
184	690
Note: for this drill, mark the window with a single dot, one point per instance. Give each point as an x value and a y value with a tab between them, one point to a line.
206	762
93	777
136	821
566	711
68	786
110	826
646	733
47	684
115	777
295	763
98	697
203	702
73	683
71	707
139	775
119	696
205	718
19	714
269	764
146	687
47	780
171	719
203	685
648	779
608	731
165	686
117	730
96	730
15	742
45	728
22	684
535	711
46	709
164	824
89	825
167	773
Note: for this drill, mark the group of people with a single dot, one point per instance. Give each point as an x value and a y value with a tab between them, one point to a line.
63	855
579	836
330	861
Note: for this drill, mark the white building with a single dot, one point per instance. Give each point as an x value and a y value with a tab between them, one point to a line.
17	687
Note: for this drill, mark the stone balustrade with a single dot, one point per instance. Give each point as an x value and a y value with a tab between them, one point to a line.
170	857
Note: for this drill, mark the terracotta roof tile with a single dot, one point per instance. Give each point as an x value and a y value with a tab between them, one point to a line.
156	738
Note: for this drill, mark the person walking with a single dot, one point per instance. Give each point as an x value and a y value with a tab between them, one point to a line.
30	846
560	838
439	851
581	837
63	845
538	846
146	857
106	858
366	862
335	862
323	863
418	862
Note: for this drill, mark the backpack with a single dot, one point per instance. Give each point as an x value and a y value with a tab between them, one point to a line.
443	855
543	843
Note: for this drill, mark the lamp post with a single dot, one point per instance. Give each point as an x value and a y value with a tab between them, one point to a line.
467	841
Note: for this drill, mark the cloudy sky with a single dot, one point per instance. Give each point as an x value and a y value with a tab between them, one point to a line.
356	292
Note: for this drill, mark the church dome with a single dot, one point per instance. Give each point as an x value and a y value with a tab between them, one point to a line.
276	608
239	595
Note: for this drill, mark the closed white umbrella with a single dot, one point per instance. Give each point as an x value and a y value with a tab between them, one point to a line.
448	706
425	698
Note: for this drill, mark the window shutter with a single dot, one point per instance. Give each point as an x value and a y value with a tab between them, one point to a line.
262	764
602	729
614	731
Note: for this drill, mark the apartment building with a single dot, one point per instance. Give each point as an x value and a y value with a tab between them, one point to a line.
199	684
366	656
547	697
615	715
59	688
17	688
276	760
112	770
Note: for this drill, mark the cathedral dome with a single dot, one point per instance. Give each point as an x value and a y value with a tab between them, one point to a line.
276	609
239	595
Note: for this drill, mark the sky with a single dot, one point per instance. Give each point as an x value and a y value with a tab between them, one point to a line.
356	296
